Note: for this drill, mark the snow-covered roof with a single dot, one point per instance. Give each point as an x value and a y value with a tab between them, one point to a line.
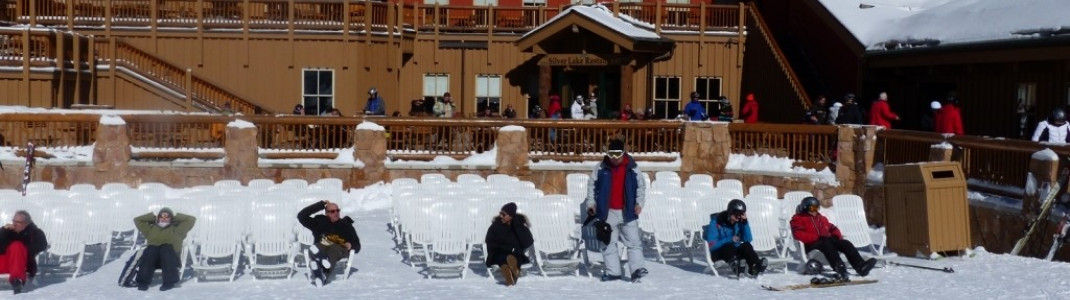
601	14
885	24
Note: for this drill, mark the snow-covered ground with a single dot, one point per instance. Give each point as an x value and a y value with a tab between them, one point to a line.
383	275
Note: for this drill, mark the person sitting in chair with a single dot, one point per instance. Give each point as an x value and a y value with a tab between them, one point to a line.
816	233
729	237
333	235
163	233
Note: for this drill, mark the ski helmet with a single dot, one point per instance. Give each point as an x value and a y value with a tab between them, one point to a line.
808	202
373	91
737	207
1058	116
694	95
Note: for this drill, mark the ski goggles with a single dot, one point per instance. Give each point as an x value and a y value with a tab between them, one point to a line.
615	153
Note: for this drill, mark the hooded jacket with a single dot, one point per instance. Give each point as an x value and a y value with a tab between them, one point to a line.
721	231
601	181
509	239
34	240
339	232
173	234
749	113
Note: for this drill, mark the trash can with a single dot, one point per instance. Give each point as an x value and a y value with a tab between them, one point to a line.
926	209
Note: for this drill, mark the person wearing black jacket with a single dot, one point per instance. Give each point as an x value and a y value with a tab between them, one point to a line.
333	236
507	239
20	242
850	113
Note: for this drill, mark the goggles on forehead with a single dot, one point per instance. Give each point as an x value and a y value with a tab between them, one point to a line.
615	153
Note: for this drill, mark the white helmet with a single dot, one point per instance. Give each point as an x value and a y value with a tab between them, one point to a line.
373	91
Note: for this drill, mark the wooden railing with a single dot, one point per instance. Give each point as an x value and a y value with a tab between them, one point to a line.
170	131
782	60
46	130
810	145
34	47
301	133
206	95
337	15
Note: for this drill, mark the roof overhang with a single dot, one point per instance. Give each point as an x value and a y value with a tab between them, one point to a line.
572	20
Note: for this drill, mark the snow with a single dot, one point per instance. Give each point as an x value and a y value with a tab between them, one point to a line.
1047	155
382	274
601	14
485	160
111	120
241	124
365	125
877	23
944	145
778	166
511	128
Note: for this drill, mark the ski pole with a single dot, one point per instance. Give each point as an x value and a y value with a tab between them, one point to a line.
945	269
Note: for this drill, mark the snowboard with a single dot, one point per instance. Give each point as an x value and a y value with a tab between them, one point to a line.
817	286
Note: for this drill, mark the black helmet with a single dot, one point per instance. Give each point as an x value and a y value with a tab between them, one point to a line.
737	207
849	97
1058	116
694	95
807	203
813	267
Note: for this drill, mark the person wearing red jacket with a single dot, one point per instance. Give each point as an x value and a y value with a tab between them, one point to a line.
949	118
816	233
749	113
881	114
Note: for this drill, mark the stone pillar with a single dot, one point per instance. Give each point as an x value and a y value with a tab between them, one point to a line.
706	149
111	153
1044	171
941	152
513	147
240	152
370	141
855	147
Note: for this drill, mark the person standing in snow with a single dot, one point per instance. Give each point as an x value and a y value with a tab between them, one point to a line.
20	242
576	111
616	193
881	113
816	233
949	118
749	113
508	238
729	238
375	105
163	233
333	238
694	109
1054	129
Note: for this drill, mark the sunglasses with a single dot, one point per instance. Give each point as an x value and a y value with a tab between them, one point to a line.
331	211
615	153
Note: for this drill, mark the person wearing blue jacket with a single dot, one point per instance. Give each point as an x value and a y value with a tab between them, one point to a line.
375	104
729	238
616	194
694	109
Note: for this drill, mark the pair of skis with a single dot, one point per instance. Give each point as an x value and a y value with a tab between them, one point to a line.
28	168
817	282
1060	236
1045	209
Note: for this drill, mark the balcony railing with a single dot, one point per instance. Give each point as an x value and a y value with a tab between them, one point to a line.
352	15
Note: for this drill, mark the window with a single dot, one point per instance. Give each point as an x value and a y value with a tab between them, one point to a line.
433	2
1068	94
434	86
1027	95
666	97
317	91
485	2
709	92
489	93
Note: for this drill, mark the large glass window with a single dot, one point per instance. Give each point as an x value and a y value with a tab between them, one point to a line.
489	94
709	92
434	86
317	91
666	97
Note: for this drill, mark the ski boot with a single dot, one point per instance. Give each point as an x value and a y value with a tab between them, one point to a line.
759	268
639	274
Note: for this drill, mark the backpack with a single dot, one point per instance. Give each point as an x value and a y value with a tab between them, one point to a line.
128	277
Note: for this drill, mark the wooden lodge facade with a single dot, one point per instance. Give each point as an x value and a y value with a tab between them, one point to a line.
266	56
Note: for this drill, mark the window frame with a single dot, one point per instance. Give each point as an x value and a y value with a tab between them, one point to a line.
711	101
319	95
438	90
663	106
479	95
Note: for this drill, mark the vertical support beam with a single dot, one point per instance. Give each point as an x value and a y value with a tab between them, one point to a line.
70	16
111	67
545	80
200	33
154	20
657	16
739	39
108	6
437	23
627	83
91	58
33	13
245	32
290	30
703	55
26	64
58	38
347	18
189	90
77	59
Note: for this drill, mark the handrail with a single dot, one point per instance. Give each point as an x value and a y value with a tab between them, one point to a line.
331	15
204	92
781	59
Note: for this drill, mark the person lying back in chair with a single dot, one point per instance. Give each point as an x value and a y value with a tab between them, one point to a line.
729	237
163	233
816	233
333	235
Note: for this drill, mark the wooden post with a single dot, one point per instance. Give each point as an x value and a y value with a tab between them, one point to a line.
77	69
290	31
91	58
245	31
346	19
33	13
26	62
107	20
200	32
739	38
111	66
61	70
70	16
154	20
657	17
702	34
189	90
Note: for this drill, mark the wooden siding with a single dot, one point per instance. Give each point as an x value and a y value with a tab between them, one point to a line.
715	56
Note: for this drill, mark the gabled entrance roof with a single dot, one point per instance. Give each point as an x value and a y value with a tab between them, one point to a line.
599	20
